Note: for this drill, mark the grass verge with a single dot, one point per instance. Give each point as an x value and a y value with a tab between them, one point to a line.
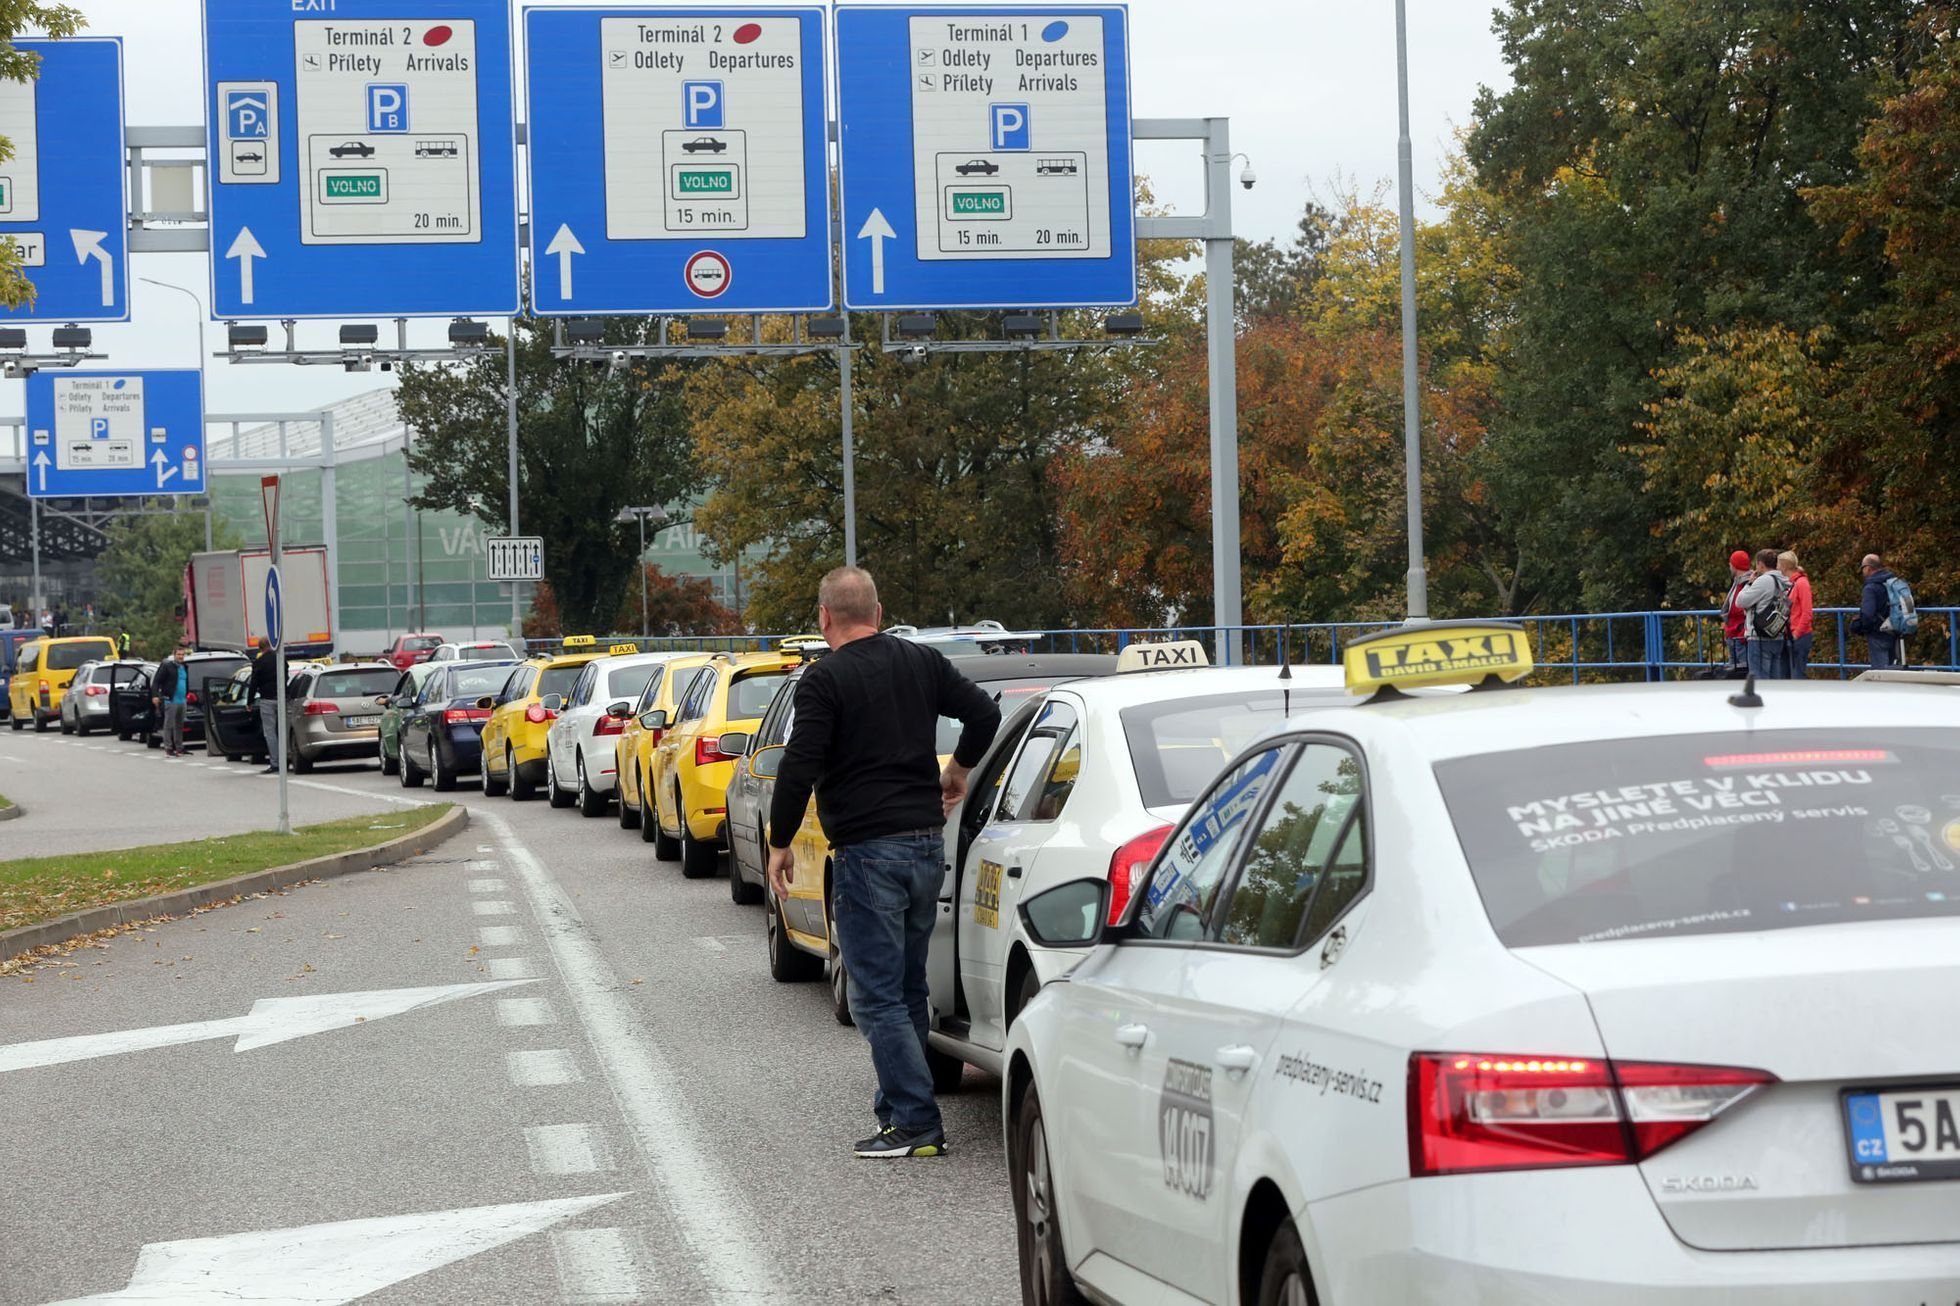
35	889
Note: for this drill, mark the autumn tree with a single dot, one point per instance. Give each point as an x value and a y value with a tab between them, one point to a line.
140	572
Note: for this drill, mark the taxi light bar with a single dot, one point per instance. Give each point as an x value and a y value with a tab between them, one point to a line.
1162	657
1471	1112
1127	867
1438	653
580	641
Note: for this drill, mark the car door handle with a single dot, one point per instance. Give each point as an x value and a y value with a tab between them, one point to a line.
1237	1060
1133	1036
1013	872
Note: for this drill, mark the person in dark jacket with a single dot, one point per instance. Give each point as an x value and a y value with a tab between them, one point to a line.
865	738
265	685
169	691
1874	612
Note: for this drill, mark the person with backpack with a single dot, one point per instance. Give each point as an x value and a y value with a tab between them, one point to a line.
1765	602
1887	614
1802	613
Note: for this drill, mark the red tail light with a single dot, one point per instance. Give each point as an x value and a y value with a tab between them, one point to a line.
1127	866
190	697
610	725
456	716
707	750
45	686
94	691
1498	1112
537	715
320	709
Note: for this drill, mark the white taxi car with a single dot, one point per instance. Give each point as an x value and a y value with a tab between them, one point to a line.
1606	994
1084	780
579	748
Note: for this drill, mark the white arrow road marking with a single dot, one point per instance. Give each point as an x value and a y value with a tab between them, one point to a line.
271	1020
877	231
245	247
41	466
564	245
88	245
164	470
325	1264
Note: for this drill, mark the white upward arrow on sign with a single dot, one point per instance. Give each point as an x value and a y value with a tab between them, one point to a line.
325	1264
245	247
271	1020
877	231
564	245
41	465
88	245
164	470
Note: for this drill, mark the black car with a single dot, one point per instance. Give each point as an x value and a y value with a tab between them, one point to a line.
231	726
136	717
442	732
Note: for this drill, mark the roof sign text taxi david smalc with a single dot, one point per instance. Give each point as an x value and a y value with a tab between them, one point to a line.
1438	653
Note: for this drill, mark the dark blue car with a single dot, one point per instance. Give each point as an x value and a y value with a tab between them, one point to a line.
442	734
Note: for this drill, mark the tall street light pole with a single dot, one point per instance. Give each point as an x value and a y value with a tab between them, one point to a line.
199	304
640	514
1411	396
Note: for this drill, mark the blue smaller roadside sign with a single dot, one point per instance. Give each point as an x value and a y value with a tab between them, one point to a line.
275	608
115	433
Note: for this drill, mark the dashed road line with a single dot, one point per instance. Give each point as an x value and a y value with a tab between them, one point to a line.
567	1149
597	1267
493	907
499	936
542	1069
486	886
512	968
514	1013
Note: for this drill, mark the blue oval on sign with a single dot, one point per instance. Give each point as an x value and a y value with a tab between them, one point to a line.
1055	31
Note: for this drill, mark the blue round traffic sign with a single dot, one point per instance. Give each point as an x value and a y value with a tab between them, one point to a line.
275	607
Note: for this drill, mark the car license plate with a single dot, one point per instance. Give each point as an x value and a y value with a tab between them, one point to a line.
363	720
1899	1134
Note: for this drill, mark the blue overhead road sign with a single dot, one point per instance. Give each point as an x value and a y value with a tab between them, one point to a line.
678	161
115	433
61	194
985	157
363	158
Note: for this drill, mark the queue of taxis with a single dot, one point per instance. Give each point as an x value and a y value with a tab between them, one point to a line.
581	761
645	727
1618	993
521	713
695	758
42	671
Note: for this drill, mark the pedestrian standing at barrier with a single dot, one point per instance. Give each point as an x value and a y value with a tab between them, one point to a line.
265	684
1887	614
1765	602
169	693
1734	623
1803	618
866	724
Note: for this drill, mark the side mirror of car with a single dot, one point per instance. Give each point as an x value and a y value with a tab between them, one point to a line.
619	711
764	763
552	702
486	703
654	718
736	744
1069	915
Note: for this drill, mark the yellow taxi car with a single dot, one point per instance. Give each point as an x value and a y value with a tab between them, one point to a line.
42	671
633	753
521	715
691	769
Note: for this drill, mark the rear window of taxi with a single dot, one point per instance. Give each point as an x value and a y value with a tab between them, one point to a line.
67	656
1710	834
1179	746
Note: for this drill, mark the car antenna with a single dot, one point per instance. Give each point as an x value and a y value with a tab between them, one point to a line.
1748	697
1285	678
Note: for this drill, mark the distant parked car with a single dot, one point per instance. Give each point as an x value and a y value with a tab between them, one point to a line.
331	712
85	707
136	717
482	650
407	650
442	732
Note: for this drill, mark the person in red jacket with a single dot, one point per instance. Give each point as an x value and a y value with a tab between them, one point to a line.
1733	616
1802	612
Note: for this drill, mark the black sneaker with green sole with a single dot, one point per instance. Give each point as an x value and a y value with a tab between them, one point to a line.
893	1141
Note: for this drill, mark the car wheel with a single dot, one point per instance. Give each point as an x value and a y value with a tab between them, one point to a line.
1045	1280
66	728
41	725
1023	994
665	846
122	736
948	1072
840	990
440	777
149	740
699	859
649	817
788	964
389	765
19	724
1285	1280
408	773
590	801
521	790
740	890
84	728
554	793
296	761
629	815
233	757
492	787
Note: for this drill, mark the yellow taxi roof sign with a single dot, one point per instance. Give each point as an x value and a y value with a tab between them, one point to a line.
803	644
622	650
1162	657
1438	653
580	641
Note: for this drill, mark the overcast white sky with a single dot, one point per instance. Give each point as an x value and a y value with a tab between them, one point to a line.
1309	86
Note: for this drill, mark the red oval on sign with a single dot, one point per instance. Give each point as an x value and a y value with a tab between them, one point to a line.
747	33
437	36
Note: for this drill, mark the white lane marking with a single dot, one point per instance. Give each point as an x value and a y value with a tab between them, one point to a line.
704	1204
483	864
326	1264
597	1267
542	1069
487	886
486	848
499	936
514	1013
358	793
271	1020
711	944
512	968
566	1149
493	907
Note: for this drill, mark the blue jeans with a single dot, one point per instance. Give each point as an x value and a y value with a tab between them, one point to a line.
1766	659
1800	656
884	904
1885	651
1738	653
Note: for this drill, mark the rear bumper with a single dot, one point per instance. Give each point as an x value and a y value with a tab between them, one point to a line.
708	827
532	771
337	743
464	746
1549	1238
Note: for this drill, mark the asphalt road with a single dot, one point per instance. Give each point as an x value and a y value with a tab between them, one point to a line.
595	1094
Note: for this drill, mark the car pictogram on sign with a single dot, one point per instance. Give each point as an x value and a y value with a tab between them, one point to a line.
978	168
704	145
352	150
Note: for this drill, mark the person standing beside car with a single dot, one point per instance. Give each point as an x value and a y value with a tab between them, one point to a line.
169	693
865	738
265	686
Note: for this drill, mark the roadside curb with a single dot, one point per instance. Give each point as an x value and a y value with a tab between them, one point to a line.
12	812
14	943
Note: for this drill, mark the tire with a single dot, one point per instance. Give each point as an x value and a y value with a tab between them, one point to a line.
389	765
521	790
629	816
788	964
665	846
122	736
41	725
296	762
650	820
66	729
442	778
492	787
1045	1280
19	724
1285	1279
1023	994
948	1072
84	728
554	793
408	773
839	976
590	801
233	757
149	741
740	890
699	860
